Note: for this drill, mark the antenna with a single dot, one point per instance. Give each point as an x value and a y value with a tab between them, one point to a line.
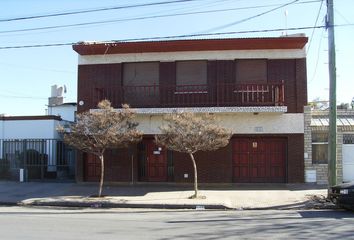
286	22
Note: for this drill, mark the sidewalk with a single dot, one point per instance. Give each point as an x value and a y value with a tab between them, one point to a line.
264	196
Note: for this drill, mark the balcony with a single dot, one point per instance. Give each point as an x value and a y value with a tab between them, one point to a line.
211	95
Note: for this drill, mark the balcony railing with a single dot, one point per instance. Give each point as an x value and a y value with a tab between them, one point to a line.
159	96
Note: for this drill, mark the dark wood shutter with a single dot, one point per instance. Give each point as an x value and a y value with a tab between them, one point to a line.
251	71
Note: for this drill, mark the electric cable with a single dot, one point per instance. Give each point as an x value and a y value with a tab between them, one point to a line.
95	10
143	18
313	31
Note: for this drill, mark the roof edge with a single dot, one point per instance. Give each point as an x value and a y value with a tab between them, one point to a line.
19	118
116	47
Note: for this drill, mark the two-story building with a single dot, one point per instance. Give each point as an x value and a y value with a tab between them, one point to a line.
256	87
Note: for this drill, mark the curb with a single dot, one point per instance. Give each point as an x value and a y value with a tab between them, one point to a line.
126	205
154	206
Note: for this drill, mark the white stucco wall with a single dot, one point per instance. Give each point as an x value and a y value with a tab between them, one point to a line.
29	129
193	55
240	123
66	112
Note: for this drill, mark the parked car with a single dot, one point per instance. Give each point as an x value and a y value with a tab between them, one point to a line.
343	195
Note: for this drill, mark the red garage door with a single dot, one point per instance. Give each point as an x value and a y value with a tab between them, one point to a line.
259	160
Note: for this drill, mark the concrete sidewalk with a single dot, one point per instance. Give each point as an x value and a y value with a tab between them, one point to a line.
263	196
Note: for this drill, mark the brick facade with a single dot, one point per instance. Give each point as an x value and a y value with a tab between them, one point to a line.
94	80
122	165
283	77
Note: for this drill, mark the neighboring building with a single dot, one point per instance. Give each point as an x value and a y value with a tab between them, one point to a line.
256	87
57	107
66	111
33	144
316	146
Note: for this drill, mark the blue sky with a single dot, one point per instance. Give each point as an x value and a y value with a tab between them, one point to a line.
28	73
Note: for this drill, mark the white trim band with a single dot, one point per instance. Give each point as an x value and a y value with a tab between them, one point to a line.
192	55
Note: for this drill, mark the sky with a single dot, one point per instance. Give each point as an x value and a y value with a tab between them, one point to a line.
27	72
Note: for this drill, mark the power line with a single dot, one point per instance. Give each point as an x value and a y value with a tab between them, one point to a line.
2	64
313	31
345	19
318	56
250	18
159	38
217	34
173	37
146	17
38	45
25	97
95	10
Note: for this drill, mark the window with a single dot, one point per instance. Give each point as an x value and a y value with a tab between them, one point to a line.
141	83
141	74
191	77
348	138
319	148
251	71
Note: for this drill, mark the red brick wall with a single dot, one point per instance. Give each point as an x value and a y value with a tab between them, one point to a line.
301	84
295	158
213	167
216	167
118	166
284	70
95	78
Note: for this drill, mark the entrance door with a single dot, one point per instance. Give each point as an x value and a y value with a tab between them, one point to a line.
260	160
92	168
156	161
348	162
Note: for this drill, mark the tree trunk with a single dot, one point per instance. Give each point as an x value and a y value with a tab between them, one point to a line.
102	175
195	177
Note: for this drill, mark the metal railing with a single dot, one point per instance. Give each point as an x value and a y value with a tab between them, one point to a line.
39	158
207	95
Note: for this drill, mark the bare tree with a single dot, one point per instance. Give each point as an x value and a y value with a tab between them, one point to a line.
189	133
96	131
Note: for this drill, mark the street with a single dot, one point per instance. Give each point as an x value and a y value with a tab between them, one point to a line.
59	223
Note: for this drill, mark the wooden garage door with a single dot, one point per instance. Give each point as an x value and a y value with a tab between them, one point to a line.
259	160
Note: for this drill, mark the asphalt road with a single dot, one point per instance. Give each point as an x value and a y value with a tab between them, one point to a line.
48	223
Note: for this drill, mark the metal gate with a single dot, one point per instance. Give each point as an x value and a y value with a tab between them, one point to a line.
40	159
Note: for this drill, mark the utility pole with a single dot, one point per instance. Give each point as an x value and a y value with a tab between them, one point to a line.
332	139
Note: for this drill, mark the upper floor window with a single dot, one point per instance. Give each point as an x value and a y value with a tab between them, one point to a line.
141	74
191	76
251	71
